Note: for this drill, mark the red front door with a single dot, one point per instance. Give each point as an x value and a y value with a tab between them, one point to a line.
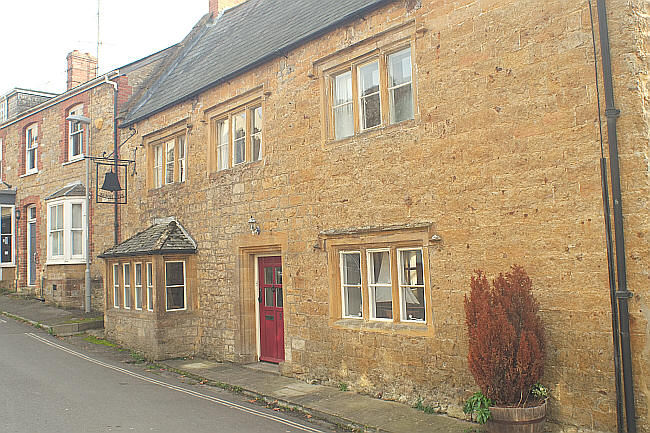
271	314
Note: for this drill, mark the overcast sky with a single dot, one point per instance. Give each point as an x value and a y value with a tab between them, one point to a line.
38	34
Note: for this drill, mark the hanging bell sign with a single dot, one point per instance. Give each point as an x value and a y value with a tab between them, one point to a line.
111	182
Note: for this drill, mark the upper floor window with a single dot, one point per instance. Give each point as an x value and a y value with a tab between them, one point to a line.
169	161
1	157
75	134
3	110
31	149
7	238
66	231
383	94
238	137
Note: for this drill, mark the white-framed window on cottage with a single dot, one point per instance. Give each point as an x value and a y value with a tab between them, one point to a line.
7	237
126	274
150	300
137	285
351	291
380	284
410	269
116	285
168	161
31	149
373	91
75	134
66	229
175	286
157	165
238	136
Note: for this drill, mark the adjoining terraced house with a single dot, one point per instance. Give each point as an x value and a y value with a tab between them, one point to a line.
43	169
343	167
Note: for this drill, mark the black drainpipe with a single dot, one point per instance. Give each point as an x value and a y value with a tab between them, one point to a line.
115	158
622	294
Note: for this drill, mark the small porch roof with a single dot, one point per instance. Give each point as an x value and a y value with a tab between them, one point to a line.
164	237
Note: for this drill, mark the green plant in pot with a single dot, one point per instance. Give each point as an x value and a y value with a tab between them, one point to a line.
506	353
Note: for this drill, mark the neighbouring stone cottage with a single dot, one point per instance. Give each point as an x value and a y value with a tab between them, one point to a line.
343	167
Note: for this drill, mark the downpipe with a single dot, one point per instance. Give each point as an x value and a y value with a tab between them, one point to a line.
622	294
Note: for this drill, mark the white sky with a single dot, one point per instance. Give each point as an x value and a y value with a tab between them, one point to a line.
37	35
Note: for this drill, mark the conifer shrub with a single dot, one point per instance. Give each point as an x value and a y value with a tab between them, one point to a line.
506	340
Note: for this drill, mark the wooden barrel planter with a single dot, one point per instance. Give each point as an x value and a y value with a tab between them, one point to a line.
517	419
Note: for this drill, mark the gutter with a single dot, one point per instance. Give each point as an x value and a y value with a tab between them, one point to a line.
98	81
622	294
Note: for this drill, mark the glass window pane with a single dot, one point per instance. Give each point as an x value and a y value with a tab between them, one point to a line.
370	111
278	295
412	268
401	104
239	126
256	126
380	264
174	274
5	225
353	303
181	147
76	216
278	276
175	297
383	296
138	274
369	79
256	148
343	121
169	162
351	268
268	296
59	216
77	242
399	68
414	299
268	275
342	88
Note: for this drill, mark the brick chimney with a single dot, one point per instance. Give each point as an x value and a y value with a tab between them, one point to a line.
82	67
216	6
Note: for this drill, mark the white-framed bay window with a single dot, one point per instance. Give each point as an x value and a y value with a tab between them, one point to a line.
66	230
137	282
126	275
116	285
7	235
150	300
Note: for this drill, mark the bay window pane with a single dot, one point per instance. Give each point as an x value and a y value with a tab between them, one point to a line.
175	285
76	216
77	242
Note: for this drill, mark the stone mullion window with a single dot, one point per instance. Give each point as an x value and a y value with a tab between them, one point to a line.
168	161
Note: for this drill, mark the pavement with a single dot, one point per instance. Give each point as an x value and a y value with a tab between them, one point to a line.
263	381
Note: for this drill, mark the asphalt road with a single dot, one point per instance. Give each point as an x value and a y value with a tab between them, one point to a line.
49	385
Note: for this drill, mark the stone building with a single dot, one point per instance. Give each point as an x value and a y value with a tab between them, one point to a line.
344	167
43	220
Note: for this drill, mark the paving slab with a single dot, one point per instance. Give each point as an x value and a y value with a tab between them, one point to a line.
345	408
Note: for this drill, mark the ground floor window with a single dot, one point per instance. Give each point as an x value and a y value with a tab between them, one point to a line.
7	229
175	285
380	280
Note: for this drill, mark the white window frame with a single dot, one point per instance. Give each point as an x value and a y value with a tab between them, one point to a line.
184	285
157	173
181	149
400	274
257	135
126	278
344	285
391	120
116	285
223	145
76	110
13	237
362	97
372	312
335	106
31	145
149	274
137	287
166	147
243	115
67	257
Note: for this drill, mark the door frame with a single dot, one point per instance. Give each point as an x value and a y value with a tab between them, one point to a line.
29	244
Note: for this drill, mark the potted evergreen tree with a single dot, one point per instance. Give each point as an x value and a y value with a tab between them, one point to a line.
506	352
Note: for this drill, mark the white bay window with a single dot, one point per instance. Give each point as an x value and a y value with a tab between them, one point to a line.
66	231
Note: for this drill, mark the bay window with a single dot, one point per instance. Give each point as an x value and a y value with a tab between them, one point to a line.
66	231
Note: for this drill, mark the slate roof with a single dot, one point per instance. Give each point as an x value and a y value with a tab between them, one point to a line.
240	38
75	190
167	237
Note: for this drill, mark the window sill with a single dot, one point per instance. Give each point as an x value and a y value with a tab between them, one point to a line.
54	262
167	187
419	328
371	132
7	265
73	160
29	174
241	166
